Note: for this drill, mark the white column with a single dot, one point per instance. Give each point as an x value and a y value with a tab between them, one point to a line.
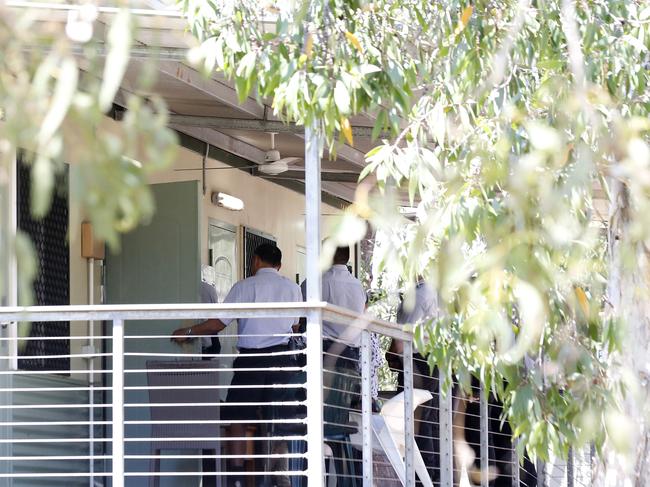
314	318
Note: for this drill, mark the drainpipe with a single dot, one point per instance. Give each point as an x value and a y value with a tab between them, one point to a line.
91	374
92	251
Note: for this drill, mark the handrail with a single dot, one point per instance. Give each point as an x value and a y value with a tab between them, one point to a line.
202	311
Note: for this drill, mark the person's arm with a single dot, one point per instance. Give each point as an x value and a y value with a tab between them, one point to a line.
208	327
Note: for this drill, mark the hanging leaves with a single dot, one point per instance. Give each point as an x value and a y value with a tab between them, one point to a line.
354	41
466	15
119	43
346	130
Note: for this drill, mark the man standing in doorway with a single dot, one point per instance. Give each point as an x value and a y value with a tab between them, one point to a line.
262	344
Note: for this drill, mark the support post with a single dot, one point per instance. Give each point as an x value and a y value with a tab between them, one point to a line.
409	434
485	459
366	408
570	469
315	436
117	404
446	446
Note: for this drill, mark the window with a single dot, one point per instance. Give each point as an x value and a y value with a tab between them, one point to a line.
49	236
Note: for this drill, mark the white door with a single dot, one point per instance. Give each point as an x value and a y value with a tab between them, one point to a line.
222	249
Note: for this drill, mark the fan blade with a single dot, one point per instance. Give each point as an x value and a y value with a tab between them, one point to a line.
277	167
214	168
324	171
300	176
289	161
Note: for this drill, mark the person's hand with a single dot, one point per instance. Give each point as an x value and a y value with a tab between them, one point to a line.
182	335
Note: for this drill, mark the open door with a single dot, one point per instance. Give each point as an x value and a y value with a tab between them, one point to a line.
157	263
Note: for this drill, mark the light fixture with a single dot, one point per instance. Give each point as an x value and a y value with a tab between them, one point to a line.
408	210
227	201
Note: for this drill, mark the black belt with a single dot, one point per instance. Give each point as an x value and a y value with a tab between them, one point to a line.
275	348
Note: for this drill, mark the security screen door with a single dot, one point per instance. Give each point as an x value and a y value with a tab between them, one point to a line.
222	250
157	263
253	238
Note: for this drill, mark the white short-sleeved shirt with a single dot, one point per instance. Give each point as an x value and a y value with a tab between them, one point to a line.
266	286
341	289
424	306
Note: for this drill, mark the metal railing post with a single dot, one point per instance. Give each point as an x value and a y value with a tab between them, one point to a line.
446	445
117	404
541	473
366	408
485	459
315	434
516	470
570	468
409	434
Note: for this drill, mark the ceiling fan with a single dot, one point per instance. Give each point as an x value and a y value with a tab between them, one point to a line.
274	166
273	163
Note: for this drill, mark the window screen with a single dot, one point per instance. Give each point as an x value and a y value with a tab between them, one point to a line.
49	235
253	238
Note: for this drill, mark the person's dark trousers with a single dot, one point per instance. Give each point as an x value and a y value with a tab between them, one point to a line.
210	464
348	357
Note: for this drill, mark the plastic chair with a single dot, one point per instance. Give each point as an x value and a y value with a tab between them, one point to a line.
189	434
388	435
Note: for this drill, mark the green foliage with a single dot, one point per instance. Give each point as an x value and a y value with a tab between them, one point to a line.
511	118
506	168
321	61
54	94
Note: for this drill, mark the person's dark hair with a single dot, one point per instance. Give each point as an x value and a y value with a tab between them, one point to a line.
342	255
269	254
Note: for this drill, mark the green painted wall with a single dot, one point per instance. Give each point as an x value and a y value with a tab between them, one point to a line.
157	263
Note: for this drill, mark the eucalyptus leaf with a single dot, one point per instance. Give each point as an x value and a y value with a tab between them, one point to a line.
119	42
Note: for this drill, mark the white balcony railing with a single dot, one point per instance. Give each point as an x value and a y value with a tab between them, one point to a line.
110	423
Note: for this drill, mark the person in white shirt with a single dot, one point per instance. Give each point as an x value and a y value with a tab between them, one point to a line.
341	288
266	336
341	381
